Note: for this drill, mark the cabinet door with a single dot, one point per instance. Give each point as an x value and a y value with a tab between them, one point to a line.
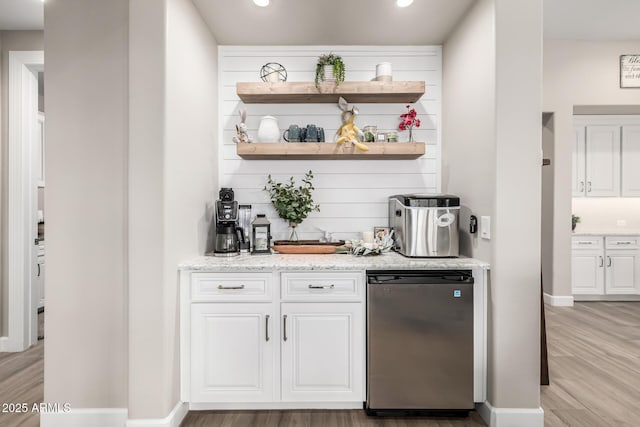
587	272
578	180
603	161
622	271
322	352
630	161
232	352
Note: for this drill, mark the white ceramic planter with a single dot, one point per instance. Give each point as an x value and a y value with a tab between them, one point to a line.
268	130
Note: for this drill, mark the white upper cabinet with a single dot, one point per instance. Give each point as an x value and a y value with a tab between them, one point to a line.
631	161
603	161
579	180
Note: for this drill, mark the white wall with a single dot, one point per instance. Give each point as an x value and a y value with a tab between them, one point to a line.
547	202
497	46
468	122
577	73
353	194
9	40
172	168
87	123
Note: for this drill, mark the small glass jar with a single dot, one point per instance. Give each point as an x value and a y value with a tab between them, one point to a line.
370	133
382	137
392	136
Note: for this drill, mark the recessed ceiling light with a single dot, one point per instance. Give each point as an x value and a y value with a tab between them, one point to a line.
264	3
403	3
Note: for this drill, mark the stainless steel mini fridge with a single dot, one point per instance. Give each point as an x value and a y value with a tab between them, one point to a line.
419	341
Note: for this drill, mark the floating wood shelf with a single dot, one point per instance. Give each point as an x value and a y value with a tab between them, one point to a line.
328	92
329	151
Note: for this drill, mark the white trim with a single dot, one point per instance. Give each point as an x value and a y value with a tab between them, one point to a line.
558	300
195	406
510	417
174	418
22	320
90	417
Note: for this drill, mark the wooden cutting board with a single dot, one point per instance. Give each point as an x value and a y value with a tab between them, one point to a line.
305	249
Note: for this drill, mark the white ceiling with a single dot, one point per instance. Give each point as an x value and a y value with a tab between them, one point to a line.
21	15
331	22
339	22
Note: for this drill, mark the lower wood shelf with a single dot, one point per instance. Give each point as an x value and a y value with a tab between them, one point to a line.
329	151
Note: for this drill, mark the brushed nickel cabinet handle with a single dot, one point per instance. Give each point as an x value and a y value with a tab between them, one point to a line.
589	187
601	261
585	243
623	243
230	287
321	286
266	328
38	270
608	261
284	335
581	187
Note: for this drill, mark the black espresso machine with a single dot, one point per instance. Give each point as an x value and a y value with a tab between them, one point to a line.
229	235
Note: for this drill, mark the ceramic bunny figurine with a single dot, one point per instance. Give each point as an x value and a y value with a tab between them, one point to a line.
242	134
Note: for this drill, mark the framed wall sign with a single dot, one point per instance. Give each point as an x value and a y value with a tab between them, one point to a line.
630	71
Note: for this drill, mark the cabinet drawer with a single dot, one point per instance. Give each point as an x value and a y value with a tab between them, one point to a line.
623	242
322	285
587	242
231	286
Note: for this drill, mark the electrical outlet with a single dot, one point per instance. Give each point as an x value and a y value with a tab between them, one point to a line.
621	223
485	227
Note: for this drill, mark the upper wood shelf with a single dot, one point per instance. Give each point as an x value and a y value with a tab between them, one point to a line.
306	92
329	151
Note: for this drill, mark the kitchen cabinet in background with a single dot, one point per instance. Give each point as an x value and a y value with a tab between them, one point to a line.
606	154
605	265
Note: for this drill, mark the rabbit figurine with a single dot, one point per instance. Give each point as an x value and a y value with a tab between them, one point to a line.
242	134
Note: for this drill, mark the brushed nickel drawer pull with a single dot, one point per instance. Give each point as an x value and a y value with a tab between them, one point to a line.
585	243
284	327
623	243
321	286
601	261
266	328
230	287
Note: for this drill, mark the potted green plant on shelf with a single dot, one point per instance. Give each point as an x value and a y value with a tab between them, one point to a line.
292	203
574	221
329	68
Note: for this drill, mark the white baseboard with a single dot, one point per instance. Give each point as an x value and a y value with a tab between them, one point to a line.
91	417
510	417
558	300
273	405
174	418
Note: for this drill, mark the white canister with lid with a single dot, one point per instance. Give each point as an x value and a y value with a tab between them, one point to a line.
268	130
383	72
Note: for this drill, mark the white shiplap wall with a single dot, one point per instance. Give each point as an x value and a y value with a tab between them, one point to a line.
352	194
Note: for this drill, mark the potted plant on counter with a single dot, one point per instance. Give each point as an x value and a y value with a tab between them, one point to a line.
293	203
329	68
574	221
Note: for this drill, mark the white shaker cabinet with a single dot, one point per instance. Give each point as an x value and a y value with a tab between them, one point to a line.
322	352
232	352
630	161
596	161
608	265
602	161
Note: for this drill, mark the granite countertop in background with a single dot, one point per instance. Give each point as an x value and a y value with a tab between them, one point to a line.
386	261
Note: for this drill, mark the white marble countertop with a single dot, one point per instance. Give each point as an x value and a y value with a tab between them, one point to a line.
386	261
615	232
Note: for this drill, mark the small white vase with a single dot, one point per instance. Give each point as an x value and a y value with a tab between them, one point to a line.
328	73
268	130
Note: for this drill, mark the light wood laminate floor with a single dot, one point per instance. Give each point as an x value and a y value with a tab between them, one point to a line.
594	361
594	365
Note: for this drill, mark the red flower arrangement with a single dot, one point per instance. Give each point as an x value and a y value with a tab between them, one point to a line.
409	120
